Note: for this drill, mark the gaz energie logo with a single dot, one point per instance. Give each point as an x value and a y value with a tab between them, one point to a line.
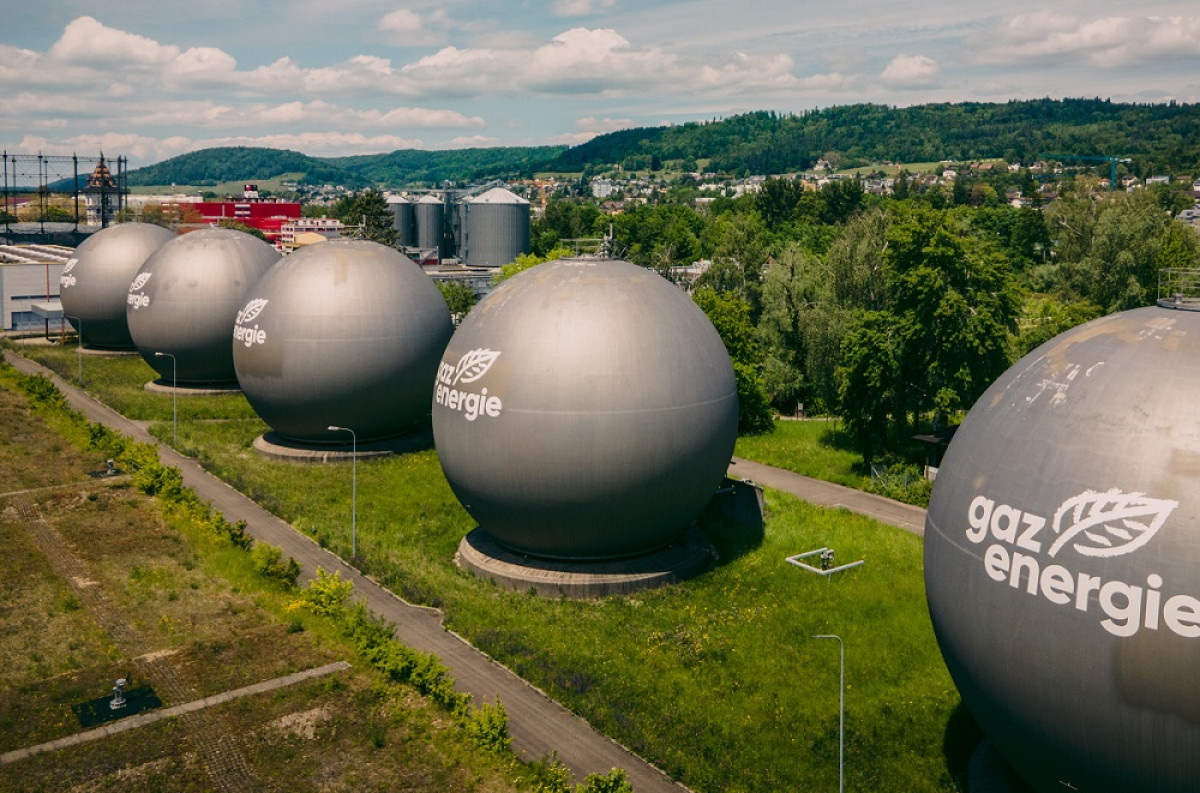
137	298
1092	524
66	279
245	333
470	367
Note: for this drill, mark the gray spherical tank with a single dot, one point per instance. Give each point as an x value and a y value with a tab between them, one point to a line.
585	409
1062	557
346	333
185	298
95	281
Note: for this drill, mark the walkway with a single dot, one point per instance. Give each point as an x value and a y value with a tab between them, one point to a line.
537	724
827	494
142	719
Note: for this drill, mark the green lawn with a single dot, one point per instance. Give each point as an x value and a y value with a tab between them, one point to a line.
715	680
816	448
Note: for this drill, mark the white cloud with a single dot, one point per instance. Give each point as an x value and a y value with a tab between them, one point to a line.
87	41
598	126
1107	42
580	8
596	62
911	71
210	115
407	28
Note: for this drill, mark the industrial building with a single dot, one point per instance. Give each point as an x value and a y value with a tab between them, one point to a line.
29	279
484	227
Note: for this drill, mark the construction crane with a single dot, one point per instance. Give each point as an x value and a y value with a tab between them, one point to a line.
1112	163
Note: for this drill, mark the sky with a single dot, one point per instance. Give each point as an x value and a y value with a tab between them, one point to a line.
151	80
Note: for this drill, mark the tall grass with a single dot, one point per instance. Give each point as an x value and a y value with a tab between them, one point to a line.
817	448
717	680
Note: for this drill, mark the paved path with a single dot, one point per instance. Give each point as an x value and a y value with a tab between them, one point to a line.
142	719
538	725
827	494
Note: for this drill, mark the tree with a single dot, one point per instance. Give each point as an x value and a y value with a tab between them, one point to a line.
458	296
730	315
867	380
800	330
524	262
242	227
368	217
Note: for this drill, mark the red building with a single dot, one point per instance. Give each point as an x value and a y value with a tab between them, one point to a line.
266	216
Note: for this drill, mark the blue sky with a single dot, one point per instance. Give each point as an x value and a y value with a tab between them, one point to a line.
150	80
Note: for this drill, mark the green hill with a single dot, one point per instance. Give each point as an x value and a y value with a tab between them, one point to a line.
1159	138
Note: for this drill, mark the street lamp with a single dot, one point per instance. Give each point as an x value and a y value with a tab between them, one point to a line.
353	488
174	398
79	347
841	711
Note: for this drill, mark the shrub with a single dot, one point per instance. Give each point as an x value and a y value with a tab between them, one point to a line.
268	561
487	726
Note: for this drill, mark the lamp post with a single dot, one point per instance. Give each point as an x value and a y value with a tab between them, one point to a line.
353	488
841	711
79	347
174	397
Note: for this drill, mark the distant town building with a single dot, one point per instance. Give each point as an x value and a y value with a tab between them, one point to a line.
297	233
103	195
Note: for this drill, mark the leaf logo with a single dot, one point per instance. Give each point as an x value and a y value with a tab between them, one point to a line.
474	365
1109	524
69	266
252	310
140	281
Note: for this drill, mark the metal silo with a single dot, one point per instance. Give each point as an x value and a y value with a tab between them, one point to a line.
430	216
496	228
403	220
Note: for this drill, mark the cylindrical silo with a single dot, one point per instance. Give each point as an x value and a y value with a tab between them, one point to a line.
496	228
402	219
430	216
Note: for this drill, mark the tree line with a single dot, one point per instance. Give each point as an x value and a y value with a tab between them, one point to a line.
893	313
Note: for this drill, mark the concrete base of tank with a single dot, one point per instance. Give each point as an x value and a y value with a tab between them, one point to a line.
276	447
688	556
161	386
105	352
988	772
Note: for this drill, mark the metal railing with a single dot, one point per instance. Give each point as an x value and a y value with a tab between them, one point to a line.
1179	288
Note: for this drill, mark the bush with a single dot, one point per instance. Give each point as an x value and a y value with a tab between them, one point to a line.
268	561
901	482
487	726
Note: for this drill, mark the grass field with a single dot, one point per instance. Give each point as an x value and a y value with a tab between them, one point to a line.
274	185
716	680
815	448
97	583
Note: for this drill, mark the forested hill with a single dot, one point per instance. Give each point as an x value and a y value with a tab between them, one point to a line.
413	166
404	167
239	163
1163	138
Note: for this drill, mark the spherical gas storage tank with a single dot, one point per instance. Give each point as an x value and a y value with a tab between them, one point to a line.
585	409
495	228
95	281
1062	557
346	333
185	297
